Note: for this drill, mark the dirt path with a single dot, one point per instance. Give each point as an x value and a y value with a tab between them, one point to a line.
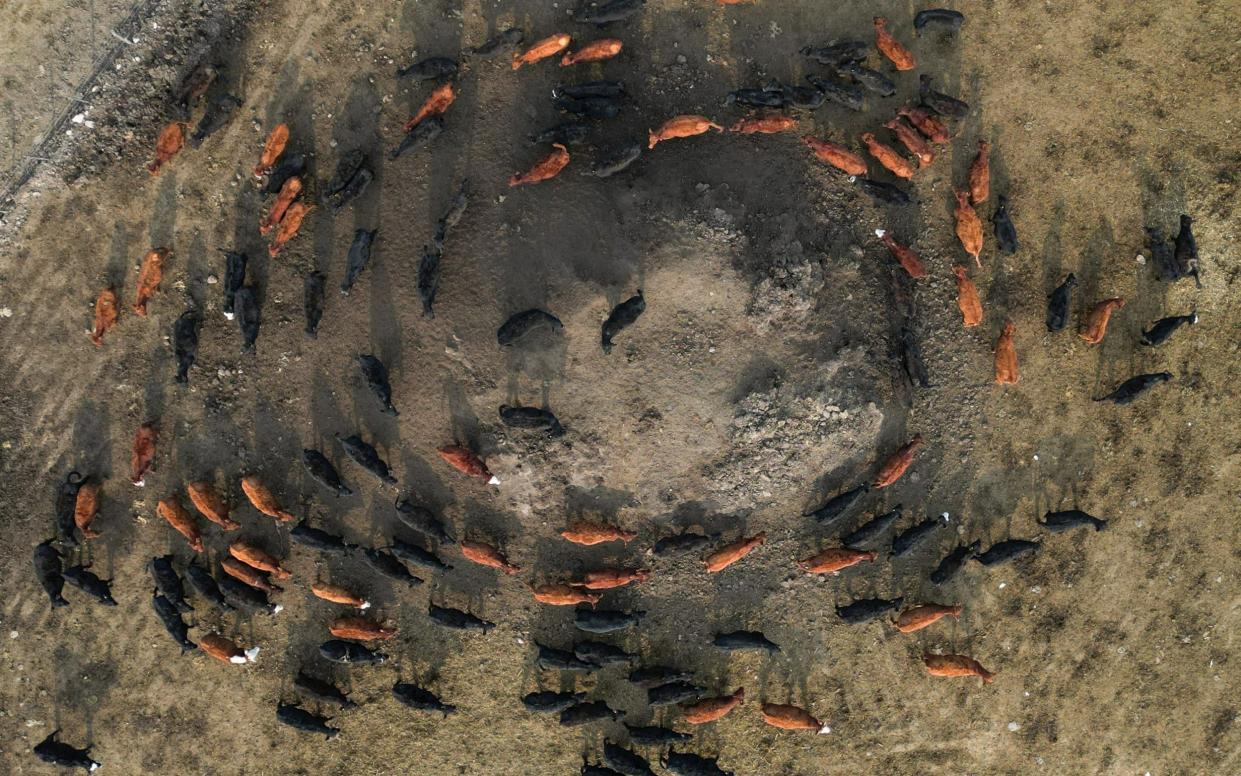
763	377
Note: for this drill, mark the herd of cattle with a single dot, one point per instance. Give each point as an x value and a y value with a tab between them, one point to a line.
245	575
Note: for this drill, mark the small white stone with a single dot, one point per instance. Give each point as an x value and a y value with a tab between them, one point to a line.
6	312
1013	727
13	634
1003	585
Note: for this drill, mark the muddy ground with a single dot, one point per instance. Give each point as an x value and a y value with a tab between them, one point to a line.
763	377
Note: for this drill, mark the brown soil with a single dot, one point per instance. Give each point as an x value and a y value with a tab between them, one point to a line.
763	377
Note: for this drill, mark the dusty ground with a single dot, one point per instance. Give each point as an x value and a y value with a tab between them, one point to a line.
762	378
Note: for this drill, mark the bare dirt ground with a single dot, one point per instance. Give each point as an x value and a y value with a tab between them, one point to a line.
763	377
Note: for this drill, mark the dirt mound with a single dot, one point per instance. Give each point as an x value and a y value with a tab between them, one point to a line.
819	420
763	377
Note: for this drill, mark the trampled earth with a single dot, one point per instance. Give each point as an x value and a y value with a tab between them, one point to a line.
763	377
